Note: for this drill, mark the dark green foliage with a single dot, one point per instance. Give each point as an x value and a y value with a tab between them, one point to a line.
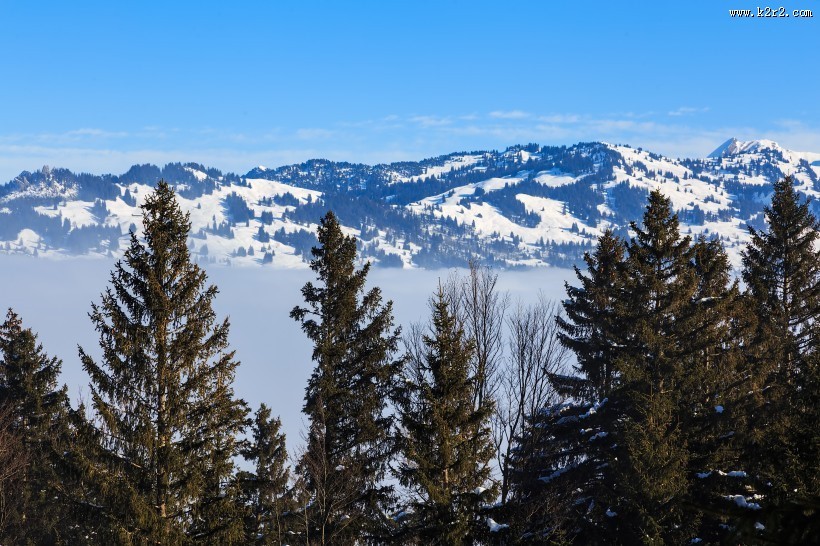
158	455
266	497
593	322
36	410
99	210
651	463
560	474
781	268
301	240
445	440
237	208
562	469
782	272
262	236
266	217
627	200
692	411
347	450
652	329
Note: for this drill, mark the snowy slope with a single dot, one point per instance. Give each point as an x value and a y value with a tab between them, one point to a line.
523	206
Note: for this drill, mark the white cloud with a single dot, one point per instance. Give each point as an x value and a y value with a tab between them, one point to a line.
509	114
378	140
431	121
95	133
687	111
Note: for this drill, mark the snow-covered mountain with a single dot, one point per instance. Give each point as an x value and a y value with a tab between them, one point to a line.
526	206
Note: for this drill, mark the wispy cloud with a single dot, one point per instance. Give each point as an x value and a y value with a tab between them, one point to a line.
96	133
381	140
687	111
431	121
509	114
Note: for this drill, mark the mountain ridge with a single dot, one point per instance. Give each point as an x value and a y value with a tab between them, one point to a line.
528	205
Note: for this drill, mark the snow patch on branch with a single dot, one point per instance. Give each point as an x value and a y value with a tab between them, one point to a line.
742	502
495	526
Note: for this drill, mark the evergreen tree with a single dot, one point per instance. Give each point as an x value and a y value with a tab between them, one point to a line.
265	492
560	476
719	327
159	452
348	446
651	460
652	332
561	464
13	464
37	413
446	442
592	324
781	268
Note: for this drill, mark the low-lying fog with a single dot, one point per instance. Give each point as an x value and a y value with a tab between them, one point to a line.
54	297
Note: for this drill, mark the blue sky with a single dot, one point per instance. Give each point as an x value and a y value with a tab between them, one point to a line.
98	86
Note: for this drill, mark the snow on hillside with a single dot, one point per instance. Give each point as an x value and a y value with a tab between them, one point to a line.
524	207
684	193
454	163
554	179
49	188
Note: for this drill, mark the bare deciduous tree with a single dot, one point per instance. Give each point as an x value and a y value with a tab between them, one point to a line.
534	353
475	300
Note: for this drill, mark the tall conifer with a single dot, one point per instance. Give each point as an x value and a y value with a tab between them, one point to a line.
652	336
446	442
561	465
38	411
267	498
781	269
651	461
159	451
593	322
348	446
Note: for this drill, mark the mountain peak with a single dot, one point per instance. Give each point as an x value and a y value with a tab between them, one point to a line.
734	146
723	149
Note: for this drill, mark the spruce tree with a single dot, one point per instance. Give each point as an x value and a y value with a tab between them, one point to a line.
651	461
781	269
446	442
592	323
348	448
158	454
715	393
37	412
561	464
13	464
561	475
616	462
266	495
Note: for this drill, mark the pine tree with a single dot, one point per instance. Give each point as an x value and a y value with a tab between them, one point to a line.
37	410
781	269
347	450
159	453
446	442
265	489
